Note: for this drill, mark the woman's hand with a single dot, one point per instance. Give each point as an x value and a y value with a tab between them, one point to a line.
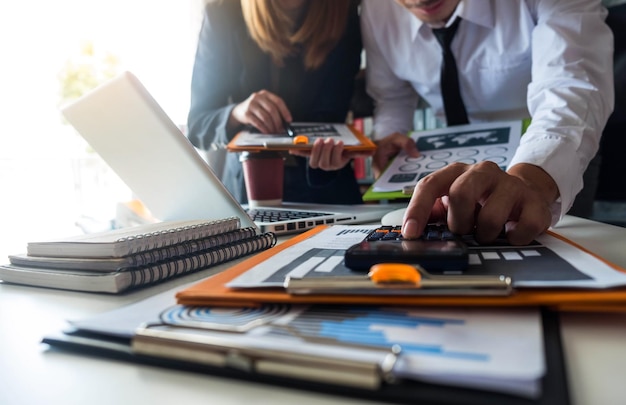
328	155
263	110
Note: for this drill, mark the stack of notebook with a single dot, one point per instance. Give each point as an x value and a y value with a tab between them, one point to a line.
123	259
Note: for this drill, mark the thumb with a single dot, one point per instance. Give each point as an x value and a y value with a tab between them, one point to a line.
410	147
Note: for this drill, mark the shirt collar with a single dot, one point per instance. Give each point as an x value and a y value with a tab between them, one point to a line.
476	11
480	12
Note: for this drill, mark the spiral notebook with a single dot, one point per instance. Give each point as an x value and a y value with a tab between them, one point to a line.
120	260
127	241
132	133
135	259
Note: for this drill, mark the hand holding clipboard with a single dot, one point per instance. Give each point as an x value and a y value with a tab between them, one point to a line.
304	137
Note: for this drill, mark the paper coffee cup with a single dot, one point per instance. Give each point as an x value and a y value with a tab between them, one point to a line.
263	174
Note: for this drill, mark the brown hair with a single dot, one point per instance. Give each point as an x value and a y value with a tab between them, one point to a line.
273	29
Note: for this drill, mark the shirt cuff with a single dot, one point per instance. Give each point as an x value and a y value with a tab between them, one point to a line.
554	156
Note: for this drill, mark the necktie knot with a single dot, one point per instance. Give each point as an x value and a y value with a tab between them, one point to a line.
445	35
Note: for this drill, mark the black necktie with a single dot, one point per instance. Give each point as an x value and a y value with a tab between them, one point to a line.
452	101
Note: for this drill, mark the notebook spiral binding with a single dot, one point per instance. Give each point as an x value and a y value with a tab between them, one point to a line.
203	259
156	240
189	247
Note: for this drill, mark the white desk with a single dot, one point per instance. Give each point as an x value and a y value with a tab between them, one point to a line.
595	349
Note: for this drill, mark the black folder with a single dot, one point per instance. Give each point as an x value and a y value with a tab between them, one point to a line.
554	382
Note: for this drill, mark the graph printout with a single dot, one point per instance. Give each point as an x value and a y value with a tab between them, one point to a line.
496	349
473	143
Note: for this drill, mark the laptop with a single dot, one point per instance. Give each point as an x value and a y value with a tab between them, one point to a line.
125	125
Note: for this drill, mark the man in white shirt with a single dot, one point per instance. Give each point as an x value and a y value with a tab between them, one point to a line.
545	59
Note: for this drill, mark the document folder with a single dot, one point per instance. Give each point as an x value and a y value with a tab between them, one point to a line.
215	290
369	381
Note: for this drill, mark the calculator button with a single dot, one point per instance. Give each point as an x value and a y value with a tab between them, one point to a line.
432	235
376	235
392	236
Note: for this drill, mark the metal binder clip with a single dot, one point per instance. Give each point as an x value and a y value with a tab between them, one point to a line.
256	355
400	279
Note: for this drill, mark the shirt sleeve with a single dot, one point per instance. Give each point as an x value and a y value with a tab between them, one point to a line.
395	99
210	106
571	94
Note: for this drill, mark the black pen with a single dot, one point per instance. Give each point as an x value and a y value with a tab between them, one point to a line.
289	129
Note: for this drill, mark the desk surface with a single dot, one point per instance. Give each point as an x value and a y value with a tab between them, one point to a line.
595	349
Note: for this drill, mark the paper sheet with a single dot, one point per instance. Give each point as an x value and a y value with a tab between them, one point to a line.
547	262
499	350
495	142
495	349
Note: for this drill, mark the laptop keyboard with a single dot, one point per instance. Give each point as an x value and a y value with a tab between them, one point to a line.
269	215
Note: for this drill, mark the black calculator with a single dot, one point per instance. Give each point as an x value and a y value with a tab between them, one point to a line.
437	250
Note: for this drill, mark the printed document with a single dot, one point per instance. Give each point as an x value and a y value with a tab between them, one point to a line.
473	143
547	262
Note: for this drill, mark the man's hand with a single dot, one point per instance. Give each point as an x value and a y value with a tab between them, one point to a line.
389	147
328	155
263	110
481	198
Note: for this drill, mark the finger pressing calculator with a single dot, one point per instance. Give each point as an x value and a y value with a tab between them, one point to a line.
438	250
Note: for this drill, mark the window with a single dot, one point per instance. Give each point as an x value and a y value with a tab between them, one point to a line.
53	51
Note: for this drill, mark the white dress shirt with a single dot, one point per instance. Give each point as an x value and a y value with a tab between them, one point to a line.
546	59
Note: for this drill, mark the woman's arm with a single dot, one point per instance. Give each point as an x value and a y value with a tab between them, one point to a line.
212	79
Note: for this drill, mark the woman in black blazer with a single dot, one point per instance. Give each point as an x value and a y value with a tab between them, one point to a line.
260	62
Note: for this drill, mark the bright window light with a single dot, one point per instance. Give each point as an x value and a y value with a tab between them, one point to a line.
52	183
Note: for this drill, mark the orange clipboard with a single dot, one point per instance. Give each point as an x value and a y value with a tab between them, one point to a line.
214	291
246	141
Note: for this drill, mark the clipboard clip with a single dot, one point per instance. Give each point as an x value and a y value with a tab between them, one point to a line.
400	279
228	351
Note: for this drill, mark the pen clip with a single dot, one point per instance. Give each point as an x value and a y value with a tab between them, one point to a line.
289	129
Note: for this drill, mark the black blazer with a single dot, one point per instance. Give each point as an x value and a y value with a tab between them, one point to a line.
229	67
